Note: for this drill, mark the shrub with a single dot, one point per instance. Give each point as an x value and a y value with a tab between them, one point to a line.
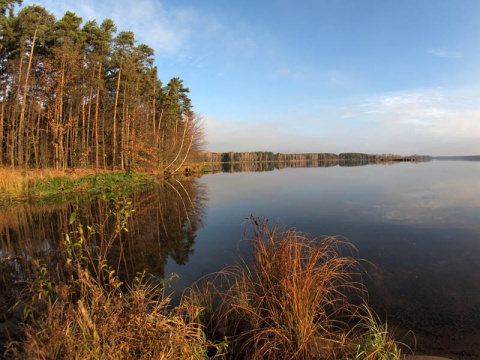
293	301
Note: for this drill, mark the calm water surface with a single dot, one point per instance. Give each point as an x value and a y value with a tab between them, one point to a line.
418	224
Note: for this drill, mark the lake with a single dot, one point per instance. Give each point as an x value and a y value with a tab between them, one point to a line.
417	225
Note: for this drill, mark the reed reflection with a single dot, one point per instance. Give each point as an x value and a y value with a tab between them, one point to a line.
163	225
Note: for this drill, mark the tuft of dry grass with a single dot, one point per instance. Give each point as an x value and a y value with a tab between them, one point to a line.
292	301
103	322
86	312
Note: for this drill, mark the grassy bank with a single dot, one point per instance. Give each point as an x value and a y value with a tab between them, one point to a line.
297	298
18	185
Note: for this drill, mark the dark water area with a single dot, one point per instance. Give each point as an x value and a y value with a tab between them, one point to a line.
162	226
417	225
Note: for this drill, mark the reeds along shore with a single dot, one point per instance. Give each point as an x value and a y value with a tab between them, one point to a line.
44	184
20	184
291	300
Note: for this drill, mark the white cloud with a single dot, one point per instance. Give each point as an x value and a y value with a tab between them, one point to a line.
445	54
428	121
414	107
440	120
167	29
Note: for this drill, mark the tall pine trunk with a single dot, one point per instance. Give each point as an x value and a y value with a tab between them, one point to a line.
97	106
114	157
21	122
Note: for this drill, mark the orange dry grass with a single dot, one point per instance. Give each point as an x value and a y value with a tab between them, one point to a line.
14	184
292	302
85	312
106	323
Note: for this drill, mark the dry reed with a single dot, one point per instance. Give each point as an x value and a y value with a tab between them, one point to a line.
293	301
17	184
86	312
104	322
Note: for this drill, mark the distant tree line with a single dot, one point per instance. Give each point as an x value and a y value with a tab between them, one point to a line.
74	95
260	156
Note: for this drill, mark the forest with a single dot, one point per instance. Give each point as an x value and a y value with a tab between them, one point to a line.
261	156
81	94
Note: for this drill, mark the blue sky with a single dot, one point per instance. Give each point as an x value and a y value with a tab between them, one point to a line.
376	76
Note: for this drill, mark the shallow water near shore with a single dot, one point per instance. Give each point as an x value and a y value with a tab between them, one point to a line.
417	225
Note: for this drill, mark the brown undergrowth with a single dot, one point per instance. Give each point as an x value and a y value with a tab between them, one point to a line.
84	311
297	298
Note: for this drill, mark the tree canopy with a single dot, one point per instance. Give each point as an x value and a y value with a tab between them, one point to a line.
81	94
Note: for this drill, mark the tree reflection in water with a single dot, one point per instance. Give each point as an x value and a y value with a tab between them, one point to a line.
163	225
232	167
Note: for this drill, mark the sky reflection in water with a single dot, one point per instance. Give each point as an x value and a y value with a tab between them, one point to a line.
417	223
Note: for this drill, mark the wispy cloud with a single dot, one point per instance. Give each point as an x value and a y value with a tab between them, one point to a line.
417	107
445	53
428	121
171	29
164	28
436	117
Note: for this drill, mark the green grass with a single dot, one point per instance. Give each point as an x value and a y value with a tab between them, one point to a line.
58	186
373	340
107	183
